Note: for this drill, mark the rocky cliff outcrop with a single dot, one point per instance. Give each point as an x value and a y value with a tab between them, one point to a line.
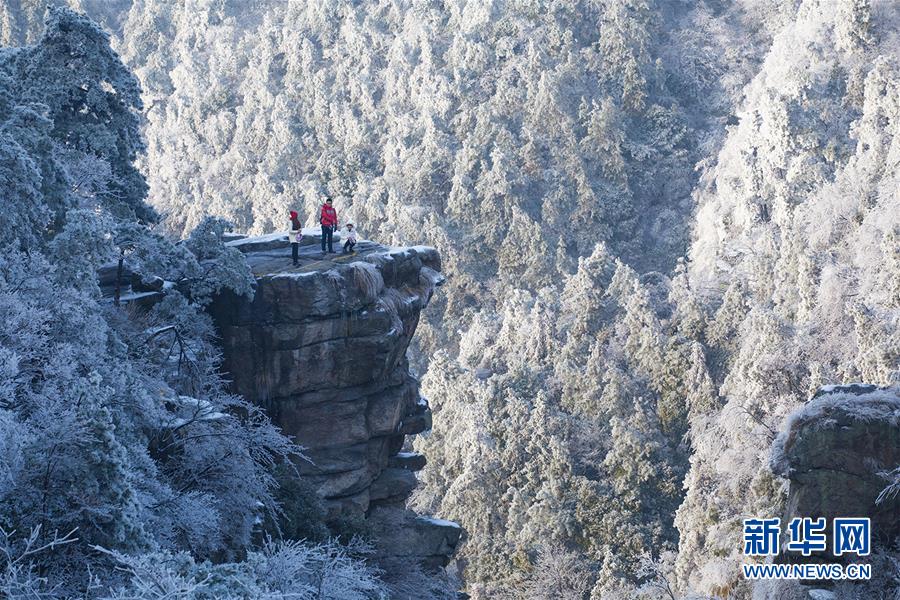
835	450
322	347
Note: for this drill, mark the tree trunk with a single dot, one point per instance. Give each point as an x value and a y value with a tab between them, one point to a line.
119	270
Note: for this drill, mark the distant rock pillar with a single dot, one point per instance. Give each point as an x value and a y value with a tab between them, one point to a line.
832	451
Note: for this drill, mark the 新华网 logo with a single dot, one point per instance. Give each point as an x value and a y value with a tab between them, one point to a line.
807	536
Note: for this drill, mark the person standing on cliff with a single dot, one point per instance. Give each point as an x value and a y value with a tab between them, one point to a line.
296	235
329	220
351	239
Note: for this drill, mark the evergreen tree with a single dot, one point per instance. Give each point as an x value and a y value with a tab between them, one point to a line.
689	317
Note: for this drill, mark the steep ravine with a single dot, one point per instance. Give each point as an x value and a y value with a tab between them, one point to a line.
322	347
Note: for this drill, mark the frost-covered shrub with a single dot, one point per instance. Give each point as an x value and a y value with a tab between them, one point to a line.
302	514
291	569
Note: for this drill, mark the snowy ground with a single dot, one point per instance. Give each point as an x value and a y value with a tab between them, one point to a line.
274	253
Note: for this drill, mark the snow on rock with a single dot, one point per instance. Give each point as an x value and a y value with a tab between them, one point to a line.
295	275
856	402
192	410
271	241
846	388
440	522
143	298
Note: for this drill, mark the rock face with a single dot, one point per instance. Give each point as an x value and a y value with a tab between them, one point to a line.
322	347
833	450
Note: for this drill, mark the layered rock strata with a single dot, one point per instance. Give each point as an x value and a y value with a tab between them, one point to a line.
322	347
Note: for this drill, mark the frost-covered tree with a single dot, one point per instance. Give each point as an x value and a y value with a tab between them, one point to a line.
93	102
558	573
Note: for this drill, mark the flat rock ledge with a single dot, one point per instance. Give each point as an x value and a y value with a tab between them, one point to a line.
322	347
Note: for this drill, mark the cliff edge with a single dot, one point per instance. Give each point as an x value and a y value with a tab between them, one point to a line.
322	347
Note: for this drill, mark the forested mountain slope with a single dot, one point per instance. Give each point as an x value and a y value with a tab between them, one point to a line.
797	242
664	223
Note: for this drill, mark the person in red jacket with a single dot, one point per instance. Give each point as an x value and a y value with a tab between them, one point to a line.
328	219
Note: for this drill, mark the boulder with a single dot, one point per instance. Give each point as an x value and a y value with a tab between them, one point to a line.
834	451
402	534
151	284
